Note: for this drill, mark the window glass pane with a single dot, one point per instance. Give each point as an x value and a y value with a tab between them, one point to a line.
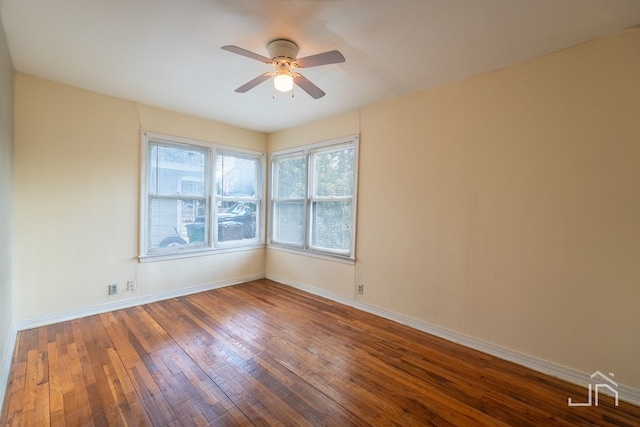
176	171
236	175
334	173
331	225
289	223
291	178
176	223
236	221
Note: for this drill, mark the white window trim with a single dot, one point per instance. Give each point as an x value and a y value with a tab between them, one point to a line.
214	247
307	248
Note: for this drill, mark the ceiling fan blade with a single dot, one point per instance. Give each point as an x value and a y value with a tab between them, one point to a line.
248	54
253	83
307	86
331	57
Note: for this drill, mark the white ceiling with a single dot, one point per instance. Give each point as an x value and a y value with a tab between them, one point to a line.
167	53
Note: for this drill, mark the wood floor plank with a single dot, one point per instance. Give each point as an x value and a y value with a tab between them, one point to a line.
56	384
262	353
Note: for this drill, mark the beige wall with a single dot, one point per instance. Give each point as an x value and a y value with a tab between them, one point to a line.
77	195
6	209
505	208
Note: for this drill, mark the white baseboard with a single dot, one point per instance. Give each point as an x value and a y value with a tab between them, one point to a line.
130	302
6	363
573	376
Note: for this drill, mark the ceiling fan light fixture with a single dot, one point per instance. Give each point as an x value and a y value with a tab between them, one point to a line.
283	56
283	81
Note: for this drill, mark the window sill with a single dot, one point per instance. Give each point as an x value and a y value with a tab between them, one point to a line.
344	259
198	253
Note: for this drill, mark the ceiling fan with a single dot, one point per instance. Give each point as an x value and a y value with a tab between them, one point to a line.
284	60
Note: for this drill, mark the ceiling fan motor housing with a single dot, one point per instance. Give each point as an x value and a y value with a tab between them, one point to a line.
282	49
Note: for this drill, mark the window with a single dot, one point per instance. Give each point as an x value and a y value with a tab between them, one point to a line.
237	199
189	185
177	196
313	198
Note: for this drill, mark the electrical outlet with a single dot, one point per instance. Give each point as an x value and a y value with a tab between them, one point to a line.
360	289
113	289
131	286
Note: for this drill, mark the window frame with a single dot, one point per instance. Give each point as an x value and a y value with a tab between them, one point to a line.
212	245
309	152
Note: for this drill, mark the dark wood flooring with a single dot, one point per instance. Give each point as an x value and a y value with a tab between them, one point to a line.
262	353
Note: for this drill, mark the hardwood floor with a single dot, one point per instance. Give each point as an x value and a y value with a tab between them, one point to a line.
261	353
